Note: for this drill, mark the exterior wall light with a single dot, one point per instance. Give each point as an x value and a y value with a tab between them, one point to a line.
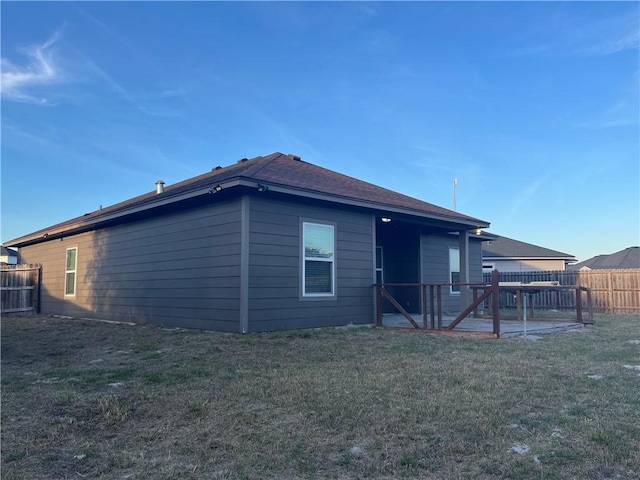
262	188
385	219
478	231
215	189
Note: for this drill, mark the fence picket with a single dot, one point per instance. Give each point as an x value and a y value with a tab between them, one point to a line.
19	288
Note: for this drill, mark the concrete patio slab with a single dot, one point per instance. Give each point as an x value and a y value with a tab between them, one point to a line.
508	328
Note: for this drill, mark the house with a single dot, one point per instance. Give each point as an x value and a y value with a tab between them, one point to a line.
8	256
268	243
508	255
624	259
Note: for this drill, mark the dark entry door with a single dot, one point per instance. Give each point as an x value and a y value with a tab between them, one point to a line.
399	247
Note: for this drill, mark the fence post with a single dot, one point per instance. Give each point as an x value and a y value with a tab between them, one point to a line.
495	285
589	306
36	293
612	298
579	304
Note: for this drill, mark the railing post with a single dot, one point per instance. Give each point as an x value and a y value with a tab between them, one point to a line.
475	298
423	292
495	287
432	307
439	289
378	306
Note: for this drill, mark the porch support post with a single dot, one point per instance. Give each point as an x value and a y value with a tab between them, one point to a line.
377	303
464	269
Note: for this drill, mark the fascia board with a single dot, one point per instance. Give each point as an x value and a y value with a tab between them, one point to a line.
89	224
381	207
493	257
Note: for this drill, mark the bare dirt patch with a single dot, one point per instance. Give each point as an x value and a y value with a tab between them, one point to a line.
83	399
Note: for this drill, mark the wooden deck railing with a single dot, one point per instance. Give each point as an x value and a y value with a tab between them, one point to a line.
431	295
485	295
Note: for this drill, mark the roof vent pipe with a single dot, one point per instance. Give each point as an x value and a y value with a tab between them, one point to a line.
159	186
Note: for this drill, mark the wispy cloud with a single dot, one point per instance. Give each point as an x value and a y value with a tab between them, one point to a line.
622	113
41	69
437	168
609	36
523	197
565	34
443	164
142	103
150	102
622	110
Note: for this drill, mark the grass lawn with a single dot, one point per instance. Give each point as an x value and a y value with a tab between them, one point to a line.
84	399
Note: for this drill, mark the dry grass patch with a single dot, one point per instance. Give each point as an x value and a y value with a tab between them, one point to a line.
112	401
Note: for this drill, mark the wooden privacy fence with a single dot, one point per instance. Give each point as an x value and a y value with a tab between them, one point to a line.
19	288
613	291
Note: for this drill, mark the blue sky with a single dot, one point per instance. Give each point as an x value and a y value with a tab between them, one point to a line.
533	107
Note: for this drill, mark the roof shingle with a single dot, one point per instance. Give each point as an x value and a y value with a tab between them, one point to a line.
627	258
504	247
282	170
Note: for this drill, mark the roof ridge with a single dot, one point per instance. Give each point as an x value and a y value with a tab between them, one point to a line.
266	164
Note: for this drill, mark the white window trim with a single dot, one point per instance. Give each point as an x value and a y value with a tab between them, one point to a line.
74	271
457	250
332	260
381	267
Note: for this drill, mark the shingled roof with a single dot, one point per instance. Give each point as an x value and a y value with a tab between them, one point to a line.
627	258
7	252
504	247
286	174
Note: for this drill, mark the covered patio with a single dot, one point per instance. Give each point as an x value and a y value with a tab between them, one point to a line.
472	320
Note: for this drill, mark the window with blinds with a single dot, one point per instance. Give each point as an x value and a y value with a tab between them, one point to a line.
70	272
318	265
454	269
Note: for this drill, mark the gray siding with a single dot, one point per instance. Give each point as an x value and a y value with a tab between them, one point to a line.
435	265
275	267
180	269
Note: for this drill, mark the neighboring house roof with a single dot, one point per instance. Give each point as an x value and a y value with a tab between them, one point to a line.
627	258
280	173
508	248
4	251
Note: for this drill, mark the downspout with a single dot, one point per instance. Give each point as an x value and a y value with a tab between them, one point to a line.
244	264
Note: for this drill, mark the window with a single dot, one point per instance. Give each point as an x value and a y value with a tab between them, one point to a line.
379	269
318	266
454	269
70	272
